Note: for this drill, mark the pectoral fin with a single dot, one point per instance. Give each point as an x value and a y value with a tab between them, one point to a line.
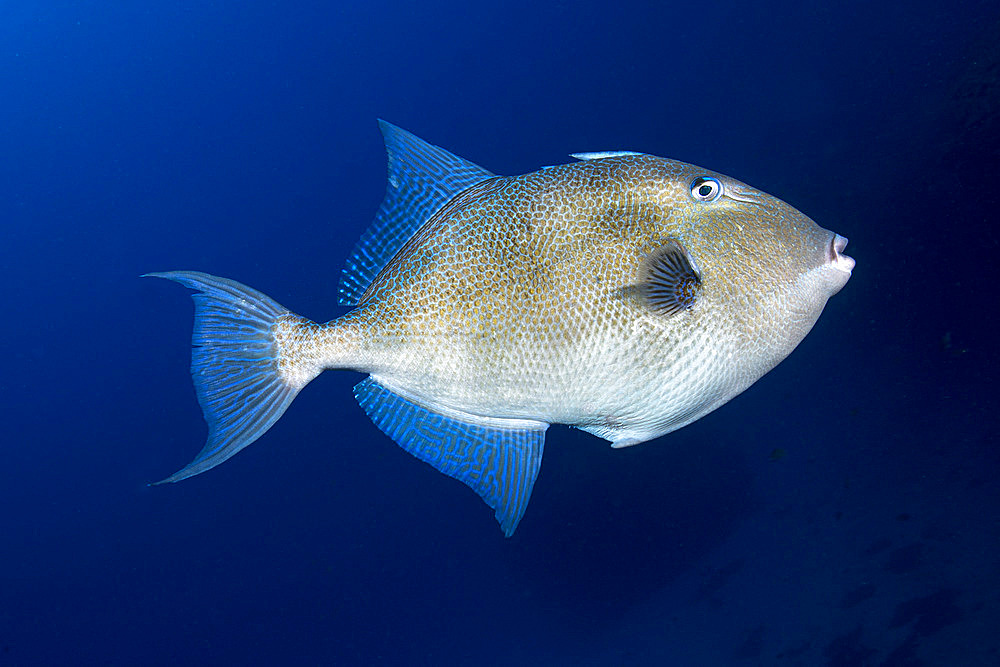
669	281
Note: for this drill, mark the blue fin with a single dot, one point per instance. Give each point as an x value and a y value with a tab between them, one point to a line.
234	365
421	179
600	155
499	458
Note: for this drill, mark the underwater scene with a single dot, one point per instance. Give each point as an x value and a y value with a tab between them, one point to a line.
608	383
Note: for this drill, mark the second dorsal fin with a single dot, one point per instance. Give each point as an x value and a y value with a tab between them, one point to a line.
421	178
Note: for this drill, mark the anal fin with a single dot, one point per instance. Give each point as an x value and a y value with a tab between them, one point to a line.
498	458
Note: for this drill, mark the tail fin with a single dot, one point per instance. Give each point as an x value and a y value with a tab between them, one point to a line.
234	364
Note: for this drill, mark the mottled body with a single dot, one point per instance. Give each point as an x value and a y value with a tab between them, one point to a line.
537	299
514	300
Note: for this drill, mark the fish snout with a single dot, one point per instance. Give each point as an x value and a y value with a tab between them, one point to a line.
836	258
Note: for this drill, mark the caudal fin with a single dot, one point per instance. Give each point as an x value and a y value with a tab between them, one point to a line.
234	364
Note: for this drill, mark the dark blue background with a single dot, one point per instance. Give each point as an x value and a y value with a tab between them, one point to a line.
239	138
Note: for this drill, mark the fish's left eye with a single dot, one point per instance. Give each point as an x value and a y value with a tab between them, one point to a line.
705	188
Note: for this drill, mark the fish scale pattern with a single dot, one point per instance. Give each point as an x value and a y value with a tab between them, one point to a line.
512	301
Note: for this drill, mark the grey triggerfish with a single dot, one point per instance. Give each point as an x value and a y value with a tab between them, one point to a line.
624	294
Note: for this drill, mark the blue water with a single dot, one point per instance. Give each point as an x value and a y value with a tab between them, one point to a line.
844	511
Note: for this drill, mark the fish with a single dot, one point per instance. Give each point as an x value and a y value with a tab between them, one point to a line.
622	294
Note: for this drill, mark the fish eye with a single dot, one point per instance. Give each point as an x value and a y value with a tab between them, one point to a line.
705	188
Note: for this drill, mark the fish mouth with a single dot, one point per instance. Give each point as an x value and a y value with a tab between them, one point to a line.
836	258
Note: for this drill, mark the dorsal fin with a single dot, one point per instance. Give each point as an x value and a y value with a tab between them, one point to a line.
421	178
600	155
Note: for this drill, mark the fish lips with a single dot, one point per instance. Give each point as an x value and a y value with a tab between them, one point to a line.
836	258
